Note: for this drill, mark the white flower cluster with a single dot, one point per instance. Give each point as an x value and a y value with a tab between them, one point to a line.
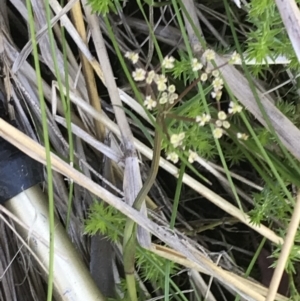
168	93
176	140
221	124
170	96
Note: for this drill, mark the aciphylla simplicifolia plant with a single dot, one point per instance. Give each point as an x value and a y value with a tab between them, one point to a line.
200	121
188	131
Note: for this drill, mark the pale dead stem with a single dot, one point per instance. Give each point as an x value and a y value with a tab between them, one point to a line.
24	243
78	20
132	182
290	16
285	251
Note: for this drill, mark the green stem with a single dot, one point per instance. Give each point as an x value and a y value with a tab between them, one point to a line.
129	242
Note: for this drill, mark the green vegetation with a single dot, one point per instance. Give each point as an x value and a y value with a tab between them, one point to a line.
225	110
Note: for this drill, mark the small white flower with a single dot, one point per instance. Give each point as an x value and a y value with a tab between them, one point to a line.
235	58
219	123
168	62
139	74
192	157
218	84
207	117
196	65
132	56
234	108
171	89
160	80
216	94
173	157
226	124
222	115
161	87
215	73
177	139
208	70
172	97
218	133
202	120
209	54
150	103
242	136
163	98
150	77
204	77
